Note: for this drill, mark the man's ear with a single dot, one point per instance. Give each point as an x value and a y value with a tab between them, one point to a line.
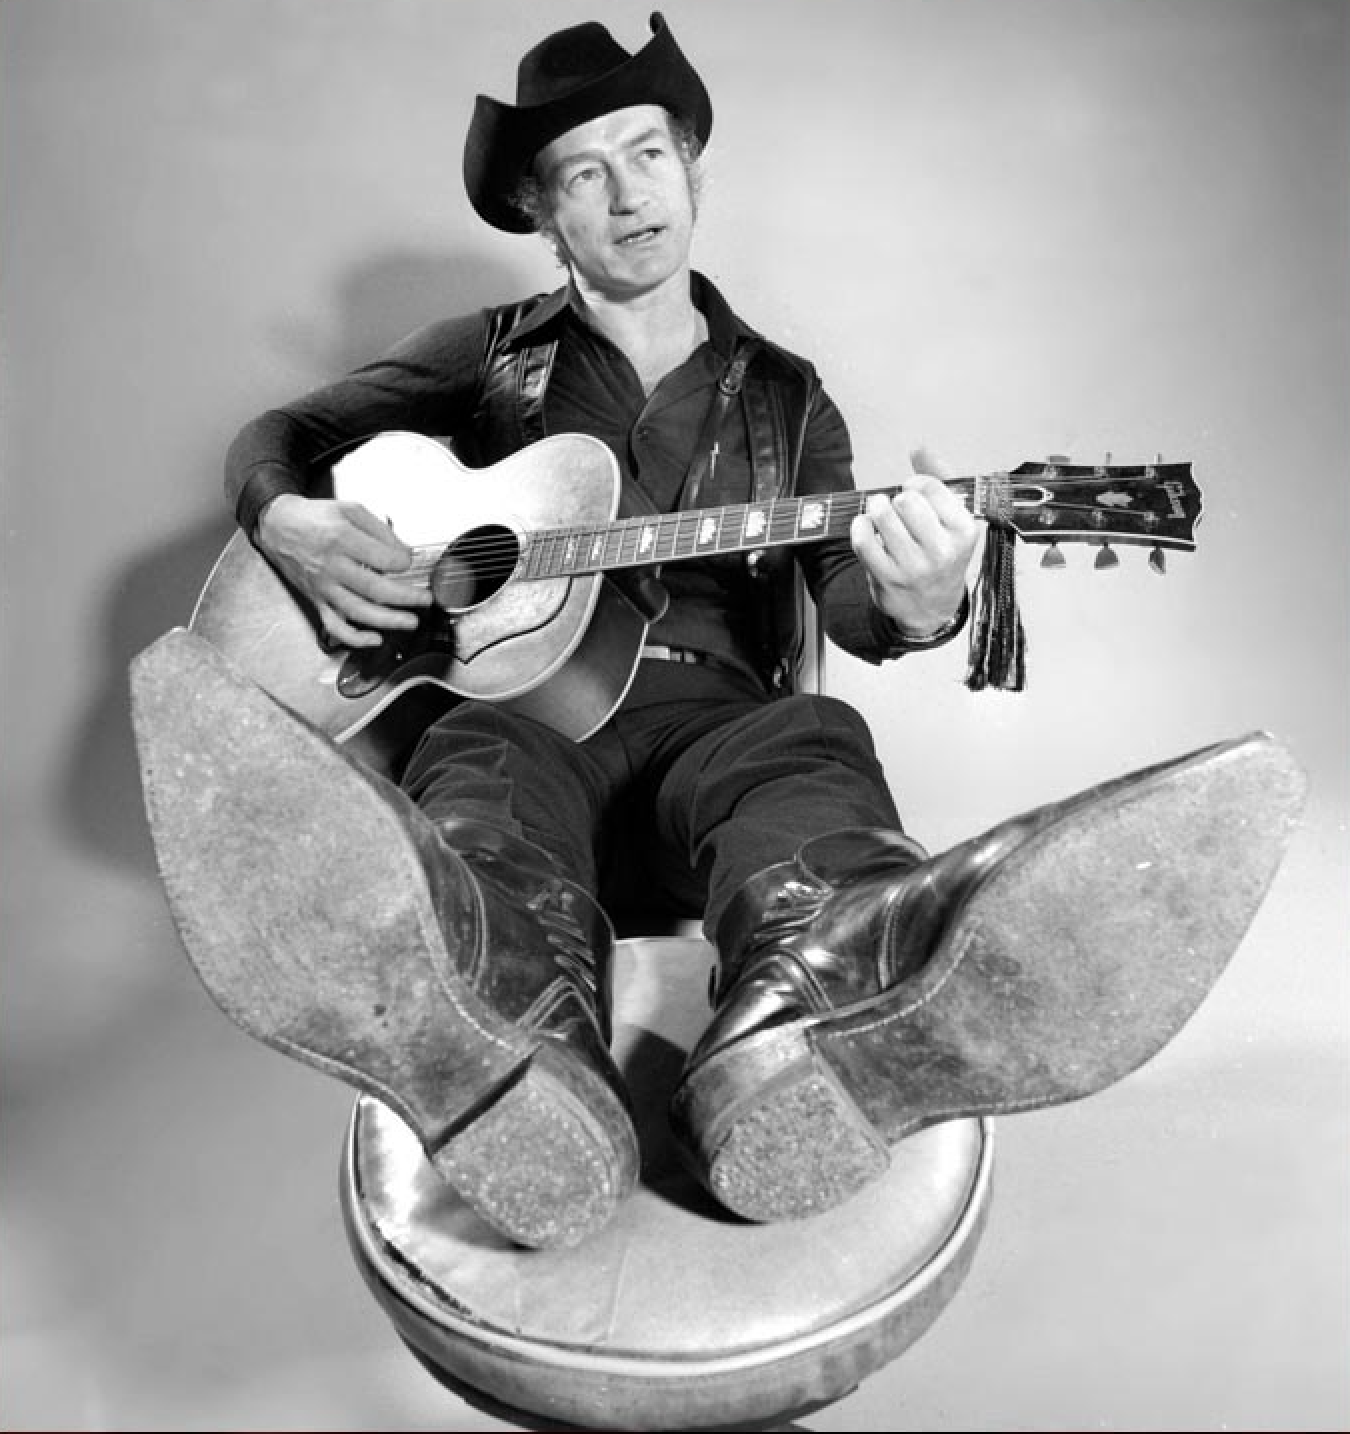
556	247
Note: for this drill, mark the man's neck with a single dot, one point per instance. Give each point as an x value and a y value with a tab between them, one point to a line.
657	330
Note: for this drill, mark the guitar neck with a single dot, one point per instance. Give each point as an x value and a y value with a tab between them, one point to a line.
708	532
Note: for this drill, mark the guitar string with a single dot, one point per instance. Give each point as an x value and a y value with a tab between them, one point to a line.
491	555
503	563
777	509
784	506
504	566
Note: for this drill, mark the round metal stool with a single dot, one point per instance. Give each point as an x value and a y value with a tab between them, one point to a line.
677	1315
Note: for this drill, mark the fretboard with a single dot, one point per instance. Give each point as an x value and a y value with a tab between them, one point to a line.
703	532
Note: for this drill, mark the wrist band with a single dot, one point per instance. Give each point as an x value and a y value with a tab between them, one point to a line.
906	642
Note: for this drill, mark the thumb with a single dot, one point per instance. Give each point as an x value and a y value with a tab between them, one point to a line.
924	462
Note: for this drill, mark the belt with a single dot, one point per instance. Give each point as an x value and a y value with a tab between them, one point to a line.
671	654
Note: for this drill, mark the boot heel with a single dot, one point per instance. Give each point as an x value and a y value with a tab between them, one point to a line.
797	1145
548	1162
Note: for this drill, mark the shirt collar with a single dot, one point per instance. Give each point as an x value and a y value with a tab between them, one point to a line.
724	328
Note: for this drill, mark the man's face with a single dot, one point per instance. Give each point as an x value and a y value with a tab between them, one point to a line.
622	210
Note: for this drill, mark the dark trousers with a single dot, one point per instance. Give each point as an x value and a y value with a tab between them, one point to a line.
695	784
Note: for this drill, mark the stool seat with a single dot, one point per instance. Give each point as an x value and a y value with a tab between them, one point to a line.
677	1315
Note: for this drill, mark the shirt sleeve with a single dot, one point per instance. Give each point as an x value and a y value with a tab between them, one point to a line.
834	576
427	383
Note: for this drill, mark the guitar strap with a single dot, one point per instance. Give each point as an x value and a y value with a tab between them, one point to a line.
512	382
729	384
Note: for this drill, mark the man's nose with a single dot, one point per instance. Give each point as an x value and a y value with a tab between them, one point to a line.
627	192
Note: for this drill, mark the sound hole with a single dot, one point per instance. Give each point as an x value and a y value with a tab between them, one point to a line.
474	567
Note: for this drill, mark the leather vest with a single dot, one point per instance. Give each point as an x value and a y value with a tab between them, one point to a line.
776	395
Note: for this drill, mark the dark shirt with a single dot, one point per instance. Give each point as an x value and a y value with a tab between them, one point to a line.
428	384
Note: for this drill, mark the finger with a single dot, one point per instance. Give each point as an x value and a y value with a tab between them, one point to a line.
374	542
356	578
366	598
343	632
911	530
887	546
368	615
948	505
868	547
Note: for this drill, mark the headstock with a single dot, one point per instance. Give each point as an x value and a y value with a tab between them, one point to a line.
1155	505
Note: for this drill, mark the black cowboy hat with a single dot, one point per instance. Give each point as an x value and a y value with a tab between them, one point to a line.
573	76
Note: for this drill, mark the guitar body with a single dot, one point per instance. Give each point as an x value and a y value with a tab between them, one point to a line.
561	650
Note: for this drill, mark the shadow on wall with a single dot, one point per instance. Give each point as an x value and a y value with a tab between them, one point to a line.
377	303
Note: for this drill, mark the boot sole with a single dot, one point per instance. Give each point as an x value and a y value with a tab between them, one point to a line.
1075	960
301	897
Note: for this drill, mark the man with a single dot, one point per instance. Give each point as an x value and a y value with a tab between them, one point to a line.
443	943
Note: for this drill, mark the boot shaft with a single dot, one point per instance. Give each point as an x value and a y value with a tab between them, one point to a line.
543	953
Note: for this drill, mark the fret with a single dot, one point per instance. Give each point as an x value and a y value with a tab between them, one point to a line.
543	555
620	543
539	542
686	533
841	509
632	532
668	545
643	539
551	552
614	546
536	559
578	551
783	520
773	513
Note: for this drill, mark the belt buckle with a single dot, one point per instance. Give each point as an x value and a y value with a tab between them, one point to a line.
663	653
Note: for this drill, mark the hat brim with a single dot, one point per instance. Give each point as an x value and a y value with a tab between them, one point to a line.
503	139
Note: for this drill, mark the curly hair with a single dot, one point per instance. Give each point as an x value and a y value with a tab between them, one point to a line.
530	198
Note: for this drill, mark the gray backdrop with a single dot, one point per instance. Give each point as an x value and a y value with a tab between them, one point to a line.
1004	228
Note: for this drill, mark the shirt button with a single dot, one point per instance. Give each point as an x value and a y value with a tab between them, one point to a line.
644	432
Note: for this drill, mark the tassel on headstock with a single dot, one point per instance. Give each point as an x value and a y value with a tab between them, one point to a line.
997	639
1056	501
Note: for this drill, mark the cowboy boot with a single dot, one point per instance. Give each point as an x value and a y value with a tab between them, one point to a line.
865	990
450	973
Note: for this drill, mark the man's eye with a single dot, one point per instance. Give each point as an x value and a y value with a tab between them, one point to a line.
583	177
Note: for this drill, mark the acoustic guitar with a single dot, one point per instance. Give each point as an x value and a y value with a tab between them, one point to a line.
522	557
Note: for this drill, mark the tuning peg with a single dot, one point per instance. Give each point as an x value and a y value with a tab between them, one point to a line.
1106	557
1052	557
1157	560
